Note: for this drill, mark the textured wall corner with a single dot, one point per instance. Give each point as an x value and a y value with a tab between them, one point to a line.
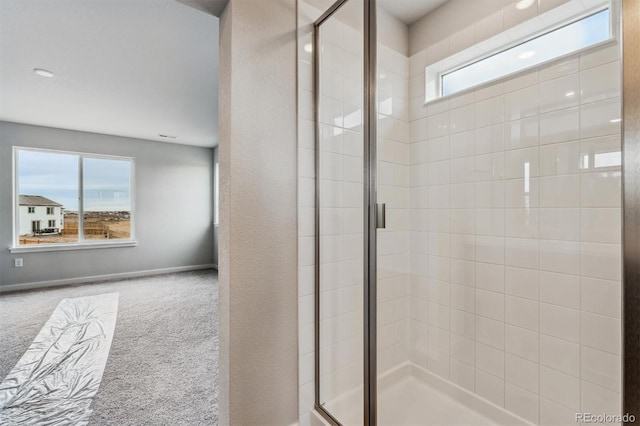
258	226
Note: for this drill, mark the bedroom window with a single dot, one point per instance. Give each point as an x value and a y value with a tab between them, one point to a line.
216	194
90	196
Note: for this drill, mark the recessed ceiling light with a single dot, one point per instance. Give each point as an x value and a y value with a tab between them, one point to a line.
524	4
43	73
308	47
569	94
615	120
167	136
527	54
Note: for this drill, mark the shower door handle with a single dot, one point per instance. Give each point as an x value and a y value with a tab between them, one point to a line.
381	215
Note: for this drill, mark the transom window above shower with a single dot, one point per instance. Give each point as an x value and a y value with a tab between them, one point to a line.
575	26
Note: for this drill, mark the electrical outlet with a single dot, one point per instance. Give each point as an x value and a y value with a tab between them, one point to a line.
18	263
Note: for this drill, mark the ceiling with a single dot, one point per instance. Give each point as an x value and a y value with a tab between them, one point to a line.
135	68
409	11
213	7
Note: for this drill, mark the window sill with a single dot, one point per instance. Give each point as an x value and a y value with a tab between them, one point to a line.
63	247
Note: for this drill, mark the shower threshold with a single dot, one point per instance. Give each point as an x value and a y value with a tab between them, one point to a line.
409	395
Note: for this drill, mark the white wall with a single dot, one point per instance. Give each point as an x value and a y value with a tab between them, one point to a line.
459	17
394	158
172	179
515	276
258	252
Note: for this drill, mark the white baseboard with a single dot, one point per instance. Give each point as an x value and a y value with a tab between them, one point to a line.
108	277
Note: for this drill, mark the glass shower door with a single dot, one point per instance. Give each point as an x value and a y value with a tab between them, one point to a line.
340	193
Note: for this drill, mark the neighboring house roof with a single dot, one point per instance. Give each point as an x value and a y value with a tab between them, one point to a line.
37	200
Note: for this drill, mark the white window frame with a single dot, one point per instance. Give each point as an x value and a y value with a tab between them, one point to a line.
570	12
216	194
50	223
81	244
51	211
31	210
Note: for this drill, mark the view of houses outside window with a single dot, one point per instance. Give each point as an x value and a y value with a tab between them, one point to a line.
49	202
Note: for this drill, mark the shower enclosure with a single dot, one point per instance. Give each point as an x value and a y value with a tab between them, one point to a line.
469	211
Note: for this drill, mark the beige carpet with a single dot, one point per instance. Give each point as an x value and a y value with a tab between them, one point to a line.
163	364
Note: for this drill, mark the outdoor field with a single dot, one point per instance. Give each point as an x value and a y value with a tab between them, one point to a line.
97	226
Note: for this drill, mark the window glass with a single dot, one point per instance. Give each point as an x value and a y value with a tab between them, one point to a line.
50	206
106	199
47	185
216	189
562	41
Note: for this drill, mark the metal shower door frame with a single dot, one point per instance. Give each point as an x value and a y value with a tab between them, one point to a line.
369	203
631	208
